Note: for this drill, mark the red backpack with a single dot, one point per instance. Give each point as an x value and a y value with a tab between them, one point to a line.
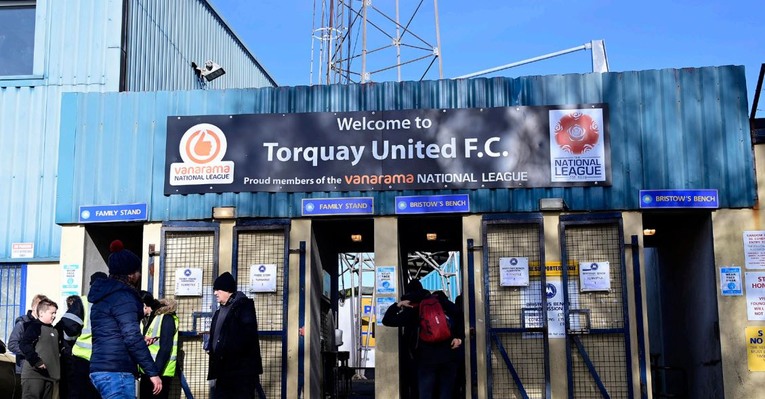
434	324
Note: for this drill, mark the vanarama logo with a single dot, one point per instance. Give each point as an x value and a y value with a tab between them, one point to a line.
202	148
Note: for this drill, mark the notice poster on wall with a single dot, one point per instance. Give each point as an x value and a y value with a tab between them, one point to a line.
754	249
755	295
385	281
594	276
188	282
755	348
514	272
730	281
532	304
71	280
383	303
263	278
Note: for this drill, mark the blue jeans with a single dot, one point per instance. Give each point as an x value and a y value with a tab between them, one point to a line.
113	385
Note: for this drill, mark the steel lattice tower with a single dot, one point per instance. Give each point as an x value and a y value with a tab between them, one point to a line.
358	41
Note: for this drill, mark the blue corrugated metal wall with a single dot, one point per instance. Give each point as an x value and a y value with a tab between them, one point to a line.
672	128
165	37
78	48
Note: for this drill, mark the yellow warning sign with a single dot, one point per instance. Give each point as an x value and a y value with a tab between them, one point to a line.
367	322
553	268
755	348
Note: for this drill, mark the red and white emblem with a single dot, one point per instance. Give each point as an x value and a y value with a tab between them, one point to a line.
576	133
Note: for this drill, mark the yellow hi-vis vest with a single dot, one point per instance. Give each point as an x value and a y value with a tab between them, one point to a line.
154	330
83	347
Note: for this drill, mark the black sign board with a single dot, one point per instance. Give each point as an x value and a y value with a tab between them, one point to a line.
473	148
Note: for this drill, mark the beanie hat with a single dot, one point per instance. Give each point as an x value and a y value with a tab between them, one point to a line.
225	282
122	262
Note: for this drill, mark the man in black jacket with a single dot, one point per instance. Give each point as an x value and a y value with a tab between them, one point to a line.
434	364
235	361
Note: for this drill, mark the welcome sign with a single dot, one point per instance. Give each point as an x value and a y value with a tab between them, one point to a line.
467	148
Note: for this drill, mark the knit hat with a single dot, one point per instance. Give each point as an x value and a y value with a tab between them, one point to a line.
225	282
122	262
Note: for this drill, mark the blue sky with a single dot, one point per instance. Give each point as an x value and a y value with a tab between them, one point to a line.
488	33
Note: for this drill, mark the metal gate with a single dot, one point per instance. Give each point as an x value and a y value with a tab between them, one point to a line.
195	245
595	304
517	342
190	245
259	244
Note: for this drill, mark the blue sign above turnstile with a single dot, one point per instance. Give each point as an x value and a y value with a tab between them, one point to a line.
113	213
679	199
338	206
433	204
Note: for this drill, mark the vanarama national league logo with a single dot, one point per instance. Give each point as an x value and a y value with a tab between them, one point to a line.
202	148
577	152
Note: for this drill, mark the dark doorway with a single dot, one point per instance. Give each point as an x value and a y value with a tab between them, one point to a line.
429	251
98	237
681	297
345	250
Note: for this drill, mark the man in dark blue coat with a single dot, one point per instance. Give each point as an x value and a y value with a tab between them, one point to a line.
234	348
118	345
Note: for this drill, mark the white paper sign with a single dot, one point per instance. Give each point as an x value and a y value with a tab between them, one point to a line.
71	280
594	276
514	272
532	302
22	250
188	282
754	249
383	303
386	282
755	295
263	278
730	281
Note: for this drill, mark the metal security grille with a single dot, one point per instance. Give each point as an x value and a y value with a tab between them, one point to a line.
183	248
597	328
516	315
10	297
266	245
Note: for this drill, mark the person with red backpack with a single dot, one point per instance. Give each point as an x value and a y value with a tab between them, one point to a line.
433	331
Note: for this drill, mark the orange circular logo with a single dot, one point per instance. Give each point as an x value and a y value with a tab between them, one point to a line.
203	143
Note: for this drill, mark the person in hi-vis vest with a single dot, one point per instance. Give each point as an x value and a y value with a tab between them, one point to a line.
80	385
161	335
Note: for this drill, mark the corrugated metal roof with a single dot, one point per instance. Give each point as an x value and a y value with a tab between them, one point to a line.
679	129
165	37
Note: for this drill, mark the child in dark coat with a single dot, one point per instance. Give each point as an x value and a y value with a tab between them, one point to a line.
41	347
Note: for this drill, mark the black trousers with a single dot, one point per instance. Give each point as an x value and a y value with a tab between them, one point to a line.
80	385
236	388
146	387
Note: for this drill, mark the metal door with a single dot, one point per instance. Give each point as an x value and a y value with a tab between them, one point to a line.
257	246
190	245
595	304
517	342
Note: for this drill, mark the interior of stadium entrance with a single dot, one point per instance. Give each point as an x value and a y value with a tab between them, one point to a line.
681	299
429	250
